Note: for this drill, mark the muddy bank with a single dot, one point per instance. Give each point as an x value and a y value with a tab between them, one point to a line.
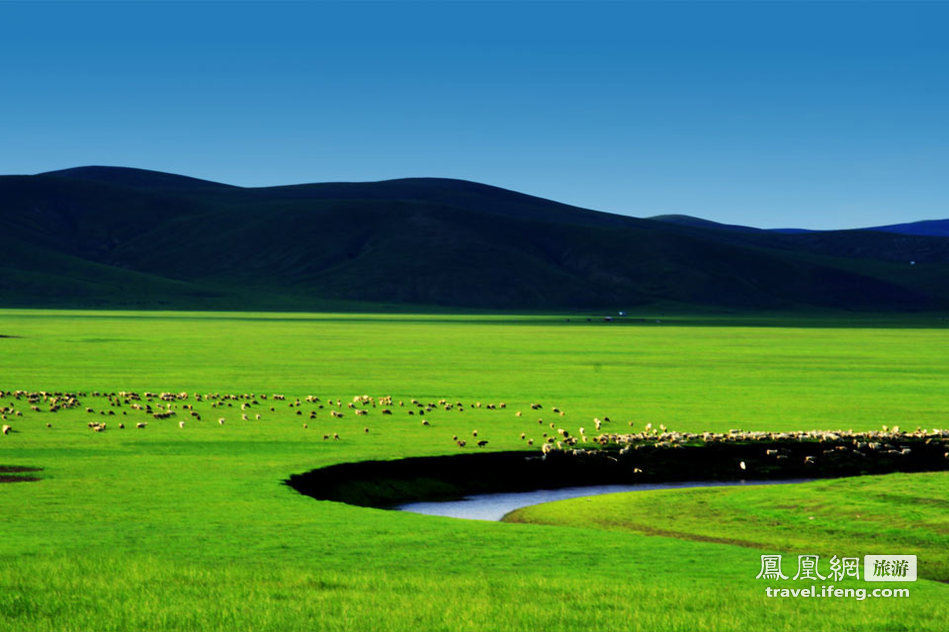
390	483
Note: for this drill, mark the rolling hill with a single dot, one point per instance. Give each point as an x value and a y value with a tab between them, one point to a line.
119	237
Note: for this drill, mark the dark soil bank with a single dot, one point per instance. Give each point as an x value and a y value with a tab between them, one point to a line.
389	483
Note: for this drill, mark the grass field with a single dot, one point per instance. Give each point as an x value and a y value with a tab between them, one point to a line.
169	528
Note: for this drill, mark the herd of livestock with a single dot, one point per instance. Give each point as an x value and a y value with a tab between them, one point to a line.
103	411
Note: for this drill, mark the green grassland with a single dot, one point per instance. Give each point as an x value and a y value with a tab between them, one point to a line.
870	514
170	528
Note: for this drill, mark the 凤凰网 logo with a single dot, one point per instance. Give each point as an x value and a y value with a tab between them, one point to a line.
876	568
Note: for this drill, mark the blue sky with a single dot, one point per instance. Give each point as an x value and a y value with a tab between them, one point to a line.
820	115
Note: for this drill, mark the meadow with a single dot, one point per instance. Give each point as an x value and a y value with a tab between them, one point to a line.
182	528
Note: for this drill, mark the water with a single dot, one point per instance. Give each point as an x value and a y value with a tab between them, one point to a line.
496	506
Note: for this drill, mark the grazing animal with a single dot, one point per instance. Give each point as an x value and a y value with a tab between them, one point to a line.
425	422
141	424
181	424
482	443
461	443
6	429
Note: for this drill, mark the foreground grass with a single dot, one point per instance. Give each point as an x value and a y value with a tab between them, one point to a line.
866	515
170	528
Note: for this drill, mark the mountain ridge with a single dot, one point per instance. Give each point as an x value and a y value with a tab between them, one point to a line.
112	236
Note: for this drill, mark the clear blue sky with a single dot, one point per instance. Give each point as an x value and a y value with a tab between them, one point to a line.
821	115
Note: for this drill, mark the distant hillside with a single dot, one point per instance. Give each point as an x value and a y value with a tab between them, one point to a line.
930	228
698	222
115	237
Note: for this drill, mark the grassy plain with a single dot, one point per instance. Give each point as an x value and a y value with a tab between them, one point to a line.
170	528
870	514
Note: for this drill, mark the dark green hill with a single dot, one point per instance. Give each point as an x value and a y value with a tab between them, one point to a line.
138	178
106	236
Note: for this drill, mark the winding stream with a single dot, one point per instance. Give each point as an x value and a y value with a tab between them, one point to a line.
495	506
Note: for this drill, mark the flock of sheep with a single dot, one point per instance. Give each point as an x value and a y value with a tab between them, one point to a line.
115	408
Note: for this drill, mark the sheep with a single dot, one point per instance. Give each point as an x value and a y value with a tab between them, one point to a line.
6	429
221	421
474	433
425	422
141	424
461	443
482	443
181	424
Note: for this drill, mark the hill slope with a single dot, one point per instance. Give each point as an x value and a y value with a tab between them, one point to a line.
106	236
